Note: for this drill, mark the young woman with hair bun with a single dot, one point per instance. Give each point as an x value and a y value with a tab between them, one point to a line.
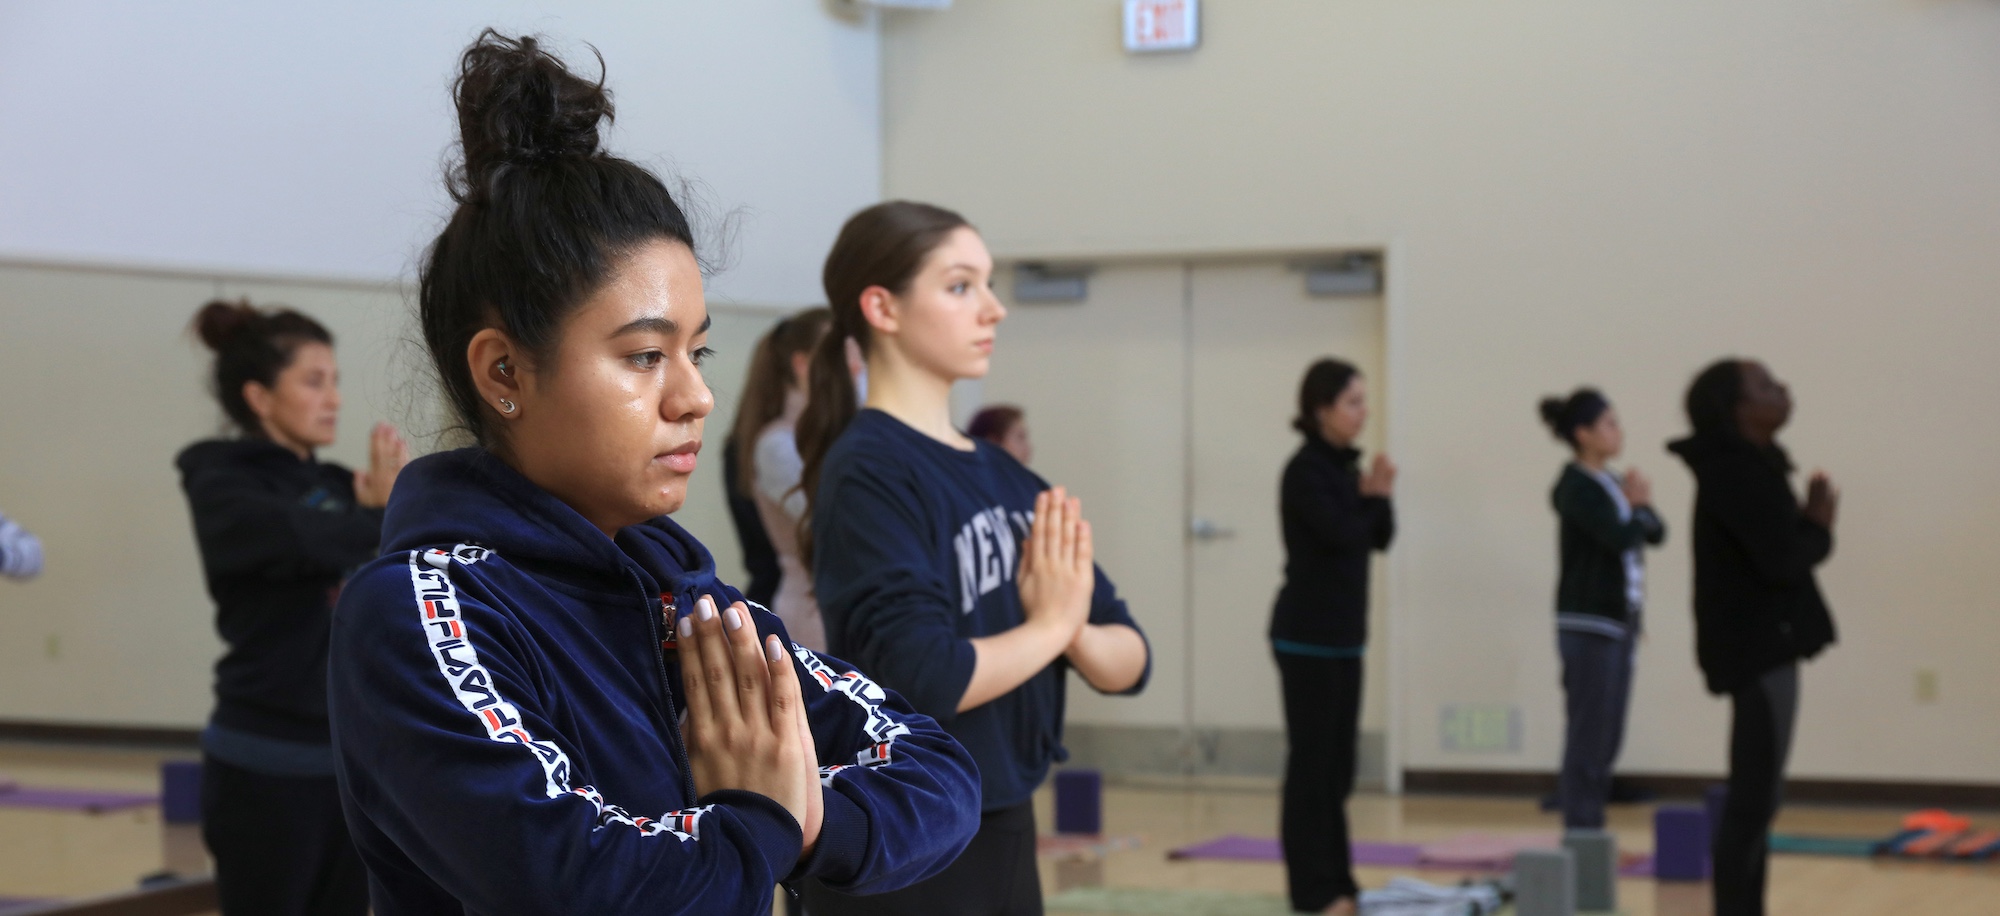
1607	520
544	699
278	531
942	565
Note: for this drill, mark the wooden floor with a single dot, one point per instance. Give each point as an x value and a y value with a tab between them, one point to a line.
69	854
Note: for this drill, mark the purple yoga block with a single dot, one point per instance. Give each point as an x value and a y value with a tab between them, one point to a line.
180	791
1079	801
1680	843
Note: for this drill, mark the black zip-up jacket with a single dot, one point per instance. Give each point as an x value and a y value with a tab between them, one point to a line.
1329	529
1756	603
1593	544
277	535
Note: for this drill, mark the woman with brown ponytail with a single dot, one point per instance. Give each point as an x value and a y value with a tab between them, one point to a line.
768	468
279	531
943	567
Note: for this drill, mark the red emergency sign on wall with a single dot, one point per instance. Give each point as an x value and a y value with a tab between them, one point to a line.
1161	25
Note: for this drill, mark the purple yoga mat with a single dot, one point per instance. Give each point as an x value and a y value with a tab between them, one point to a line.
1236	847
76	799
1264	849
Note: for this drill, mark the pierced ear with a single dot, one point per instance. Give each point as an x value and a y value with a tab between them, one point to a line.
878	308
496	371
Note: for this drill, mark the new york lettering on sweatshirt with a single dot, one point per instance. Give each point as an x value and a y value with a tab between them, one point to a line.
916	550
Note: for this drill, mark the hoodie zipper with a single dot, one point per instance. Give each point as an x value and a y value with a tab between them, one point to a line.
675	743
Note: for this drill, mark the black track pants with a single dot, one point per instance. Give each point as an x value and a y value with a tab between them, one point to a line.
280	844
1760	737
1322	712
995	876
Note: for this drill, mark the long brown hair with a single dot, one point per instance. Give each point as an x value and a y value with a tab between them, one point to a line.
884	245
764	386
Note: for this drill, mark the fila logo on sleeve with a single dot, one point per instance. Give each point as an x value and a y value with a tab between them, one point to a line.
437	603
880	728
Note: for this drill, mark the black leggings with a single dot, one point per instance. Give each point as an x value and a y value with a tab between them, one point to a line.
280	844
1760	737
995	876
1322	711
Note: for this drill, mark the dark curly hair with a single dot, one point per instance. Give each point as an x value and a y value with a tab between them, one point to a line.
544	215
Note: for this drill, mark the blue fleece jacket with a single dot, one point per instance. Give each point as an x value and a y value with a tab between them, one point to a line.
503	693
915	550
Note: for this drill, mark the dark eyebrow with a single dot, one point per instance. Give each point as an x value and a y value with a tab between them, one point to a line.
658	325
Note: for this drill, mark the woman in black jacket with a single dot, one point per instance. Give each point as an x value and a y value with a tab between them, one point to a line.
1607	519
1334	516
1757	607
278	532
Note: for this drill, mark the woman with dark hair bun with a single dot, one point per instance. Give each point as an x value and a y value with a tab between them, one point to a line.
1757	605
1334	517
942	565
544	700
1606	520
278	531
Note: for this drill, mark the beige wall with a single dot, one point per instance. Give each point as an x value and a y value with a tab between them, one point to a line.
103	386
1570	192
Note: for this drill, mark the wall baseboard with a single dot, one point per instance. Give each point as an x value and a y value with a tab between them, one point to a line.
1229	753
77	733
1838	791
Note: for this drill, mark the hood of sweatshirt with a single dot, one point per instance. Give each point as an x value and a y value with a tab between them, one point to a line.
248	452
1703	450
470	497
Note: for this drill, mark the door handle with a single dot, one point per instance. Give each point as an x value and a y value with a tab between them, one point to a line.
1202	529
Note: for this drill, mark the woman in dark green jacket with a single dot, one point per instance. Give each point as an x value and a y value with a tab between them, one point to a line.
1607	520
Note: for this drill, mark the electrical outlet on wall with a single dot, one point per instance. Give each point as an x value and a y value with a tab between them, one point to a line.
1927	685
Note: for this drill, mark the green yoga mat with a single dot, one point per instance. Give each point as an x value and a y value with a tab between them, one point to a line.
1795	844
1128	901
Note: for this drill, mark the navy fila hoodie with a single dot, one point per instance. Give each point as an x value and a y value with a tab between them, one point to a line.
504	694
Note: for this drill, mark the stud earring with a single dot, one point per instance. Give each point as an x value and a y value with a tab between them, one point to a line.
505	369
506	406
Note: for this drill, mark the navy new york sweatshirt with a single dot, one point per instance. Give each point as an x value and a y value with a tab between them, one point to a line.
915	549
505	700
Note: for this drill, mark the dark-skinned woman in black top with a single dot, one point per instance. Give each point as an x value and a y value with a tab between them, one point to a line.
1334	517
1607	520
1757	607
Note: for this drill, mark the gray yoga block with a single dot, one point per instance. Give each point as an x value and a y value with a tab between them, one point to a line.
1596	857
1545	882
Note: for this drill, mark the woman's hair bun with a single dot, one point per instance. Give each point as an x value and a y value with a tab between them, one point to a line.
518	104
1583	407
1552	410
221	319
